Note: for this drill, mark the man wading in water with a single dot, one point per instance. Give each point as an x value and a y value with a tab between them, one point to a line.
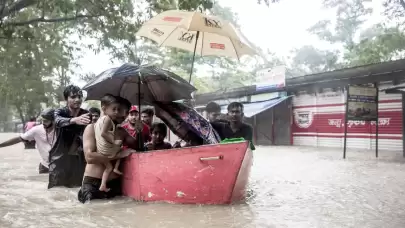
95	168
66	159
44	136
239	129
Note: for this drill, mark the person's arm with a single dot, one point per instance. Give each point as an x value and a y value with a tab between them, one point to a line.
249	134
60	119
27	136
11	142
107	125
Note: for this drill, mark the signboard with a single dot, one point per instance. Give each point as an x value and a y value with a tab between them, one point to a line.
362	103
270	78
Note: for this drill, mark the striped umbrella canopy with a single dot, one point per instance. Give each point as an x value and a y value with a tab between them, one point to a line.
139	84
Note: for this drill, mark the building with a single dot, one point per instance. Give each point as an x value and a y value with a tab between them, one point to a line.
310	110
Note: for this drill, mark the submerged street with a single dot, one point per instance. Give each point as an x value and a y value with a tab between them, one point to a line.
289	187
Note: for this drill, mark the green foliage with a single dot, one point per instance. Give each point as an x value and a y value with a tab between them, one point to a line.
308	60
38	40
380	42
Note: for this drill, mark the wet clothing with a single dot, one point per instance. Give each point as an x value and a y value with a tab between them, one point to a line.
131	131
44	141
245	131
66	158
223	128
90	189
103	146
42	169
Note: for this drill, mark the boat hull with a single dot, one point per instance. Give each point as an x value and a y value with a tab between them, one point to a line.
211	174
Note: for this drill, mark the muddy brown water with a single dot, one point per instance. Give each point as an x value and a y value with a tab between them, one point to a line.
289	187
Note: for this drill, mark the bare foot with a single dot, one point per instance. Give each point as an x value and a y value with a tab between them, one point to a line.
117	172
104	189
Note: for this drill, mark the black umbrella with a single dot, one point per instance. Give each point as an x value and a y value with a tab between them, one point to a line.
139	84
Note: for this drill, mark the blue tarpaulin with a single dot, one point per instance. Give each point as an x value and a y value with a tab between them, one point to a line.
252	109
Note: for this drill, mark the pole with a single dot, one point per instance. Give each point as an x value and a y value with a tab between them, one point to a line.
403	124
376	122
346	116
140	141
195	49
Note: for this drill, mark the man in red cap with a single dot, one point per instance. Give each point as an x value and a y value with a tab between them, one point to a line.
132	119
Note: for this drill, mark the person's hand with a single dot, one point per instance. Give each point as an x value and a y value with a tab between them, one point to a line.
177	144
81	120
138	126
118	142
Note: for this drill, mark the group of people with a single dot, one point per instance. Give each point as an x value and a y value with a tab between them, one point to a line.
83	148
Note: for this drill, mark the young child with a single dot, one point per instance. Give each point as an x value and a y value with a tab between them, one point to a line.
159	133
106	139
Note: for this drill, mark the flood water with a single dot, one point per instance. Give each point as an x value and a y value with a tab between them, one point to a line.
289	187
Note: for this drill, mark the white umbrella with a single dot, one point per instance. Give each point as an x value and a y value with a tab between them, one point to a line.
196	32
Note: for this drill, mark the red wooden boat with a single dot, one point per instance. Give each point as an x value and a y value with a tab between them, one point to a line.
210	174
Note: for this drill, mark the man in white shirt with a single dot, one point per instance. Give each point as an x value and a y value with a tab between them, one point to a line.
44	136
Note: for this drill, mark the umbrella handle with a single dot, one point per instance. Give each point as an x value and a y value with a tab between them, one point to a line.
195	49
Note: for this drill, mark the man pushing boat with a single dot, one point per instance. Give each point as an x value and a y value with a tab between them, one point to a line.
94	170
43	135
66	160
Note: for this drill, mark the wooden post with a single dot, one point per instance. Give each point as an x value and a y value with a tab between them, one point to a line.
376	122
403	124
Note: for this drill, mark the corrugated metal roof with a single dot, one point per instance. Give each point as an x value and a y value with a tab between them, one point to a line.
384	68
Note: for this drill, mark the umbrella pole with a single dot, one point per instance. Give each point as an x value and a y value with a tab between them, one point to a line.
195	49
140	135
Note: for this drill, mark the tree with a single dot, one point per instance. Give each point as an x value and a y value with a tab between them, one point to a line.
309	60
37	37
359	46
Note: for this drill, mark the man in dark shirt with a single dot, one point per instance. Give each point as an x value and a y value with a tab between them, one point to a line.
66	159
239	129
221	126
